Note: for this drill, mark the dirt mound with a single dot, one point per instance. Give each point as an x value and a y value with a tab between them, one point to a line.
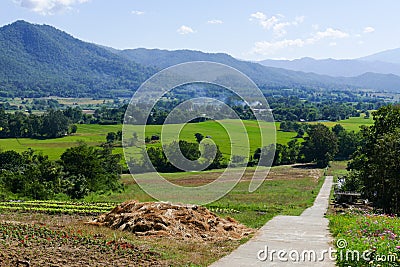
166	219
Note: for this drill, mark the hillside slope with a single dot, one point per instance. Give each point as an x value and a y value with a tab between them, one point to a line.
37	60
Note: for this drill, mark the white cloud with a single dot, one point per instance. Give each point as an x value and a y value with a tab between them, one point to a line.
298	20
48	7
215	21
263	20
276	23
279	28
184	30
329	33
267	48
137	12
369	30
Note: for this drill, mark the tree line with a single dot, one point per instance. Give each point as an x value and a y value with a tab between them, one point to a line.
79	171
204	156
52	124
291	109
320	146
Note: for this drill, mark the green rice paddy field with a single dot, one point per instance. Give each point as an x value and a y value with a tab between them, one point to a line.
95	135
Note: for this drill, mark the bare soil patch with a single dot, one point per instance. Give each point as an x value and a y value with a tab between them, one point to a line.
291	172
67	240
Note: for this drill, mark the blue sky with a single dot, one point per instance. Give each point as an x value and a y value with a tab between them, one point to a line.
251	30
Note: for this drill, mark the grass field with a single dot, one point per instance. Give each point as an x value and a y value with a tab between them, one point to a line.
351	124
287	190
95	135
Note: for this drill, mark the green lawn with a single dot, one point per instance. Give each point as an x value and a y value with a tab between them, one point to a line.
91	134
351	124
95	135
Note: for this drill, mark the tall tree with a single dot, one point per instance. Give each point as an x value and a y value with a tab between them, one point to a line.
55	124
376	164
320	146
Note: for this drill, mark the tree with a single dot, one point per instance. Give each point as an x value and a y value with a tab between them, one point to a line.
376	164
300	133
158	159
199	137
189	150
210	158
30	175
320	146
55	124
292	151
267	155
338	129
74	114
111	137
11	160
347	143
73	129
99	167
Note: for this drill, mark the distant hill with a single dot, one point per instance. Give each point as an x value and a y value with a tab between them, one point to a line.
374	80
391	56
39	60
332	67
265	76
283	73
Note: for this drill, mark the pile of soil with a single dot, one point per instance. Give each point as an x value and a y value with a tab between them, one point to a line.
173	220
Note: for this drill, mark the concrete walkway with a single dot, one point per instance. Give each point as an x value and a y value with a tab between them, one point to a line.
301	237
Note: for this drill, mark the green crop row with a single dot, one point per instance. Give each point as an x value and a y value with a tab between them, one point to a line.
53	210
98	204
56	207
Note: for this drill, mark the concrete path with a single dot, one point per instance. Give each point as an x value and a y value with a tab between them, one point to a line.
301	240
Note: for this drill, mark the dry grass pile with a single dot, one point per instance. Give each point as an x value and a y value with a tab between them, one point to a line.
173	220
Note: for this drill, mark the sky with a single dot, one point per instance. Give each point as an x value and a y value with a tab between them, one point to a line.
250	30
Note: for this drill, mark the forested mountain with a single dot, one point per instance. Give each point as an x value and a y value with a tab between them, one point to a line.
40	60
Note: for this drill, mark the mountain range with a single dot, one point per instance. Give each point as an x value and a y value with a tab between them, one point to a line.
40	60
387	62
